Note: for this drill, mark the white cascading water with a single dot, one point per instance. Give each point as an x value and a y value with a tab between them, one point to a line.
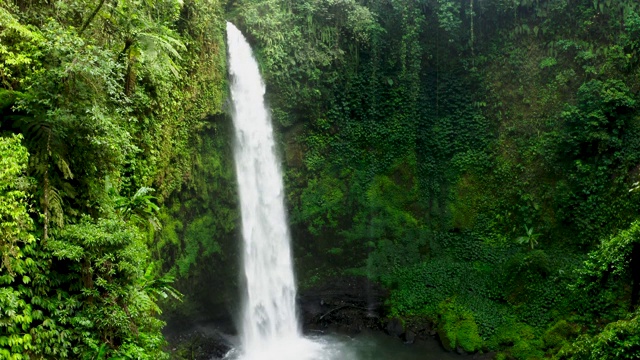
270	328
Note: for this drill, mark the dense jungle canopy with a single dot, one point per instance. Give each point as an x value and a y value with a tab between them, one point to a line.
479	159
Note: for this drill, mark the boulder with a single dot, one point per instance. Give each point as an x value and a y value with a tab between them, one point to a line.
409	337
394	327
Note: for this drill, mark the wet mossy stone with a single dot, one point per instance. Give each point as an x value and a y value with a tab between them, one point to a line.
467	336
457	328
409	337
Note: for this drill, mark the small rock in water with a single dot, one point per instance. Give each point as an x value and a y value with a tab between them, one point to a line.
409	337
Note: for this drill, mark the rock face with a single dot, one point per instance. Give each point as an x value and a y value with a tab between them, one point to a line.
352	304
199	343
205	339
349	304
485	356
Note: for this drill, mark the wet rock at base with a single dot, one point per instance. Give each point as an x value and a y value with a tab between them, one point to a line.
394	327
444	340
205	339
199	345
485	356
348	304
409	337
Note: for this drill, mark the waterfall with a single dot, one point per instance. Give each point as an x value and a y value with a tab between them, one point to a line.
269	328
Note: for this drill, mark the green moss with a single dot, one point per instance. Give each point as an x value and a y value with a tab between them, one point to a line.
529	349
457	328
468	337
200	241
558	334
509	334
520	339
171	227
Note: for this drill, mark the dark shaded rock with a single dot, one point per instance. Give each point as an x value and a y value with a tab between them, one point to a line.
394	327
199	340
349	304
421	327
409	337
200	344
459	350
444	340
485	356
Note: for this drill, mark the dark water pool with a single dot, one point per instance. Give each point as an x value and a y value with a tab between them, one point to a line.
378	346
364	346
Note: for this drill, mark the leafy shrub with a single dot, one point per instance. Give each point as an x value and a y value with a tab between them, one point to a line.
619	340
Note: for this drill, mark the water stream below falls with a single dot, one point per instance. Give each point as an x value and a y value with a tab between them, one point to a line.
363	346
269	328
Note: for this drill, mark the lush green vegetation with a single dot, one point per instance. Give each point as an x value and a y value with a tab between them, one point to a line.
111	114
480	159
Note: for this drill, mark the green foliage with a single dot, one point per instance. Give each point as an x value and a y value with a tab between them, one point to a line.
16	244
106	101
530	238
523	270
605	275
424	135
463	268
14	211
140	208
426	145
321	201
104	261
612	257
520	339
558	334
618	340
300	44
200	242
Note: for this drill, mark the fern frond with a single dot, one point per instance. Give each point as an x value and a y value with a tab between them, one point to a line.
64	167
56	207
8	21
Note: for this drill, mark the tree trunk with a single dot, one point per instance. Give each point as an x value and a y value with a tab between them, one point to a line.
472	40
90	18
129	76
45	201
635	274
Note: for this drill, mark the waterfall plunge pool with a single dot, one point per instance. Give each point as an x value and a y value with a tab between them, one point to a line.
367	345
